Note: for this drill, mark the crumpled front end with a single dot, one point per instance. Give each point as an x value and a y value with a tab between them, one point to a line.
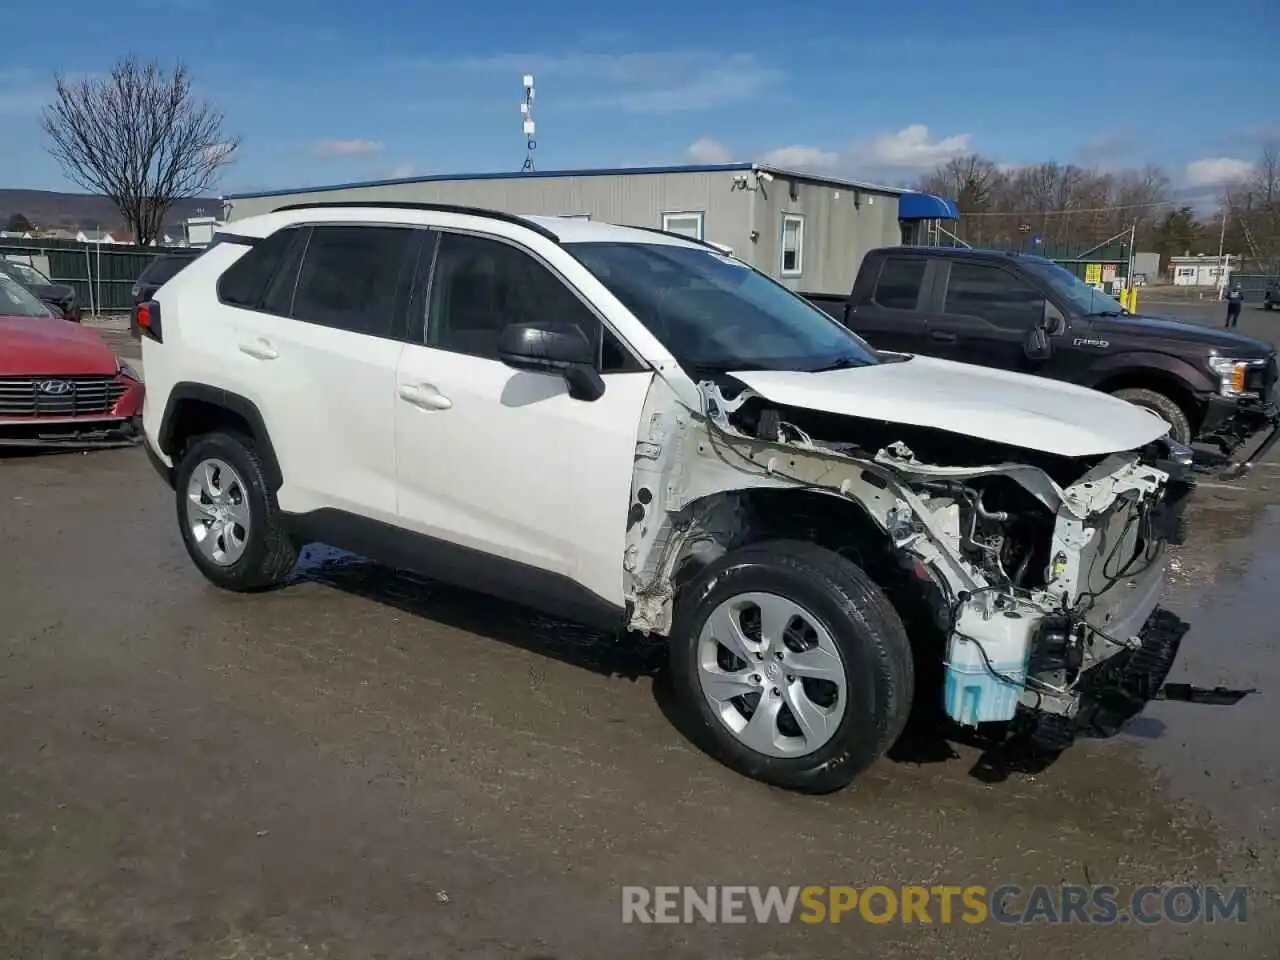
1074	630
1043	573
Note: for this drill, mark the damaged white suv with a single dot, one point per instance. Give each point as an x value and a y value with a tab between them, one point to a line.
634	429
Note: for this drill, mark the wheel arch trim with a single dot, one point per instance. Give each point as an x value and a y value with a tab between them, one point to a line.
242	407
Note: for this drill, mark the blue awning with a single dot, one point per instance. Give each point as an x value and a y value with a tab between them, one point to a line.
925	206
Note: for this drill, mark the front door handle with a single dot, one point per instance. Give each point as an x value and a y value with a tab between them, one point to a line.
259	348
424	395
943	336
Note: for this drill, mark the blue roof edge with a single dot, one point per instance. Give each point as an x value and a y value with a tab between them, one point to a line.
591	172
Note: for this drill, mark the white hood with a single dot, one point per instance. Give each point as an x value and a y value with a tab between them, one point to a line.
1010	408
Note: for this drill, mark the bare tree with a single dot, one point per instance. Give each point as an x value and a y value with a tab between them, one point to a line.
1068	207
1254	211
140	137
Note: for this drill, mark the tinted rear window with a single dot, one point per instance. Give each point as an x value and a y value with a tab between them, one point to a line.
900	281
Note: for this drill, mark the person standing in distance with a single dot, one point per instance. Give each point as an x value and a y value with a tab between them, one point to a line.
1235	300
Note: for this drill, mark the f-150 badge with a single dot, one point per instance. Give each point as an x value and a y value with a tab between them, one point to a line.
1086	342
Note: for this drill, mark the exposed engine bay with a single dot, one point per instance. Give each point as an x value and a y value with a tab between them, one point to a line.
1041	573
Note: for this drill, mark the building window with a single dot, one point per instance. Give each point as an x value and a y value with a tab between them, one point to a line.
687	224
792	245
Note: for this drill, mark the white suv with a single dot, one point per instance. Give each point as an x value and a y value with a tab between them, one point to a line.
634	429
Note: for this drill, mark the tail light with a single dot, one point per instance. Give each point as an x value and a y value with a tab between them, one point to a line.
147	315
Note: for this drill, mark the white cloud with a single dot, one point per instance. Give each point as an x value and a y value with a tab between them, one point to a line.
909	149
400	171
661	82
1214	171
799	157
347	148
706	150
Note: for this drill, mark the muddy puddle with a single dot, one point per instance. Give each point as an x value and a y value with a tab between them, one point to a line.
1226	760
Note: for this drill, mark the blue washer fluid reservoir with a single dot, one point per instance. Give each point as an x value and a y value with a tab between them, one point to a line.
973	693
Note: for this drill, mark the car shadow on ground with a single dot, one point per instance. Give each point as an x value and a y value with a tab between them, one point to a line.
630	657
929	736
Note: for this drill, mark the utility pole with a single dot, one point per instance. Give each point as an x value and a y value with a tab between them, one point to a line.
530	128
1222	239
1133	238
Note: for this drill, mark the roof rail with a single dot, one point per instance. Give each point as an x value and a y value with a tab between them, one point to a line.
671	233
436	207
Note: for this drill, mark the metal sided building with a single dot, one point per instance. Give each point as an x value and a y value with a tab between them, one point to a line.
807	231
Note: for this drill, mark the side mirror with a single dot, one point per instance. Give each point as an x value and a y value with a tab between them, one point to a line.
560	349
1052	321
1037	346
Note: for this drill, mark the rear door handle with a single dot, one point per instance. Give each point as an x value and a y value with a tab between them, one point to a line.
424	395
259	348
943	336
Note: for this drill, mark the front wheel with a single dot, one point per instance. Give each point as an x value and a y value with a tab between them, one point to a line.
1158	403
791	665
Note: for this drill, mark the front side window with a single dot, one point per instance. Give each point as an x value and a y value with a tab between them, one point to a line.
792	245
995	295
481	285
352	278
900	281
714	313
17	301
1084	299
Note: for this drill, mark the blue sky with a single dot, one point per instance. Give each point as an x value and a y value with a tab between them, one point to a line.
326	92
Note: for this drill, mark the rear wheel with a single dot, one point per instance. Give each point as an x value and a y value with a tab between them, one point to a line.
230	521
1180	426
791	666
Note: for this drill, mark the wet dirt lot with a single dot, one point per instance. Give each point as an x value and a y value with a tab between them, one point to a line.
369	765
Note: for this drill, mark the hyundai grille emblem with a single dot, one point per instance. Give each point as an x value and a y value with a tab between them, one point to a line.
55	388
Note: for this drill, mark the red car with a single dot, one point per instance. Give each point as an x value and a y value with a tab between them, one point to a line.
60	384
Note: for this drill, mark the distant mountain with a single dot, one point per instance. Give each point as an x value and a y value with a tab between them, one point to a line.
76	211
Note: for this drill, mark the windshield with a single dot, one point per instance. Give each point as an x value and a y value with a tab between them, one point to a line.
26	273
715	313
1085	300
17	301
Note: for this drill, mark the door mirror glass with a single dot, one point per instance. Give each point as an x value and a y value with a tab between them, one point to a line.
555	348
1037	346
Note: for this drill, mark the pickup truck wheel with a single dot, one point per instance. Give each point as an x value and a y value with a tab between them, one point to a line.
790	665
1166	408
230	521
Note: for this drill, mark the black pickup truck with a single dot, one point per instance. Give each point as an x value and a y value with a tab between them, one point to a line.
1216	388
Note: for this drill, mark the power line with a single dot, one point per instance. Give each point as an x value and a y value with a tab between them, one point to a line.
1068	211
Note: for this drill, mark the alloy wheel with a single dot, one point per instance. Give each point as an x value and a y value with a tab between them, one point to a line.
772	674
218	511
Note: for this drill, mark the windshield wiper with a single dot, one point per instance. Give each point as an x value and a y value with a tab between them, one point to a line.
1106	313
840	363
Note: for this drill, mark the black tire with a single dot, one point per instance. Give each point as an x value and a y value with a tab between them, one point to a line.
1180	426
865	628
270	554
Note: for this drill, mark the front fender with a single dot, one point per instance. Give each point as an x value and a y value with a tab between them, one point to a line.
1138	362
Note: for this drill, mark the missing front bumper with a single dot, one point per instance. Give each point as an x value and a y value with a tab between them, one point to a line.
1233	432
1116	690
73	435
